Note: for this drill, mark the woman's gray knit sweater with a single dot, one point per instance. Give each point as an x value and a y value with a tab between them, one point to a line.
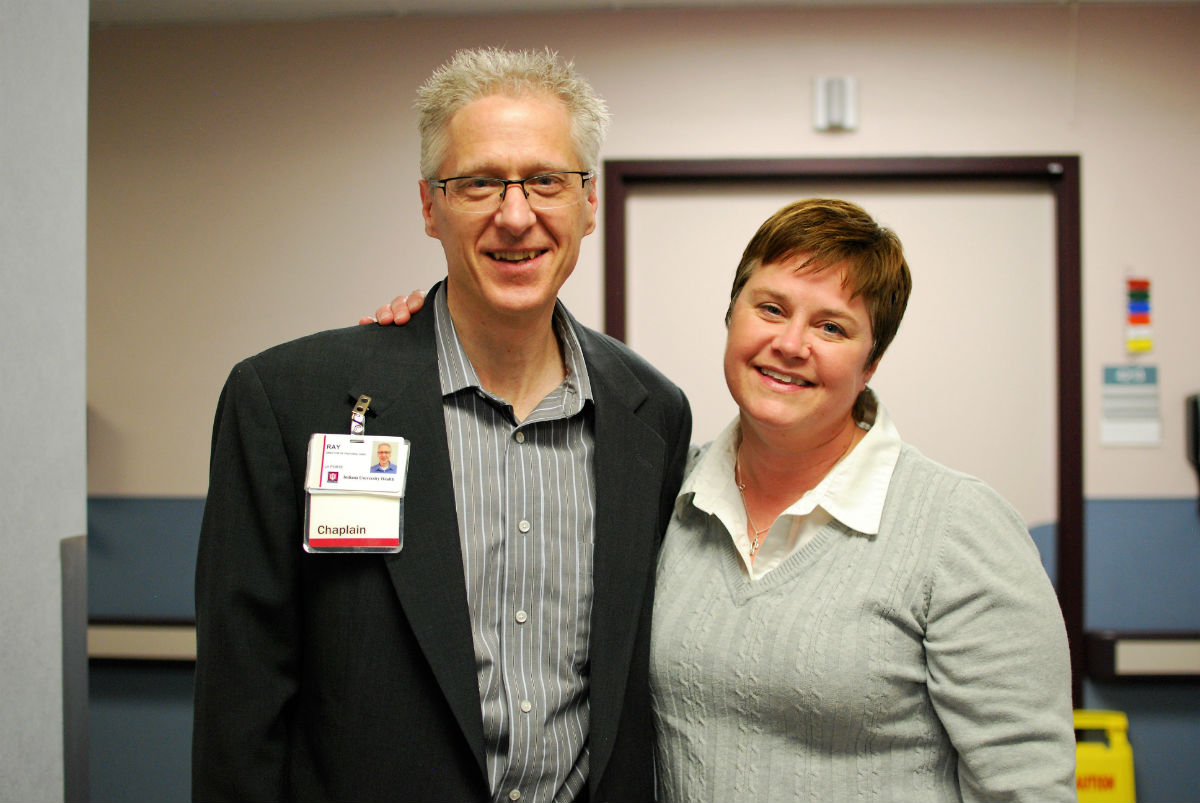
926	663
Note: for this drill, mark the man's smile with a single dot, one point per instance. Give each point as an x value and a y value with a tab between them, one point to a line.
515	256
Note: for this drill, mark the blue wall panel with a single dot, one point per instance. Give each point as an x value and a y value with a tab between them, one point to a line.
1142	565
140	745
142	558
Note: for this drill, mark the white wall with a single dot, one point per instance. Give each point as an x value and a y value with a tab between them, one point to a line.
43	90
251	183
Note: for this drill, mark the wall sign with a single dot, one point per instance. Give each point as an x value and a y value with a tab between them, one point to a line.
1130	406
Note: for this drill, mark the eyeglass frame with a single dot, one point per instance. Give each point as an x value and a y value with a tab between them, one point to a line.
440	184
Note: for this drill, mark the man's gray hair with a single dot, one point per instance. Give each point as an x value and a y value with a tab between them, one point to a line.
474	74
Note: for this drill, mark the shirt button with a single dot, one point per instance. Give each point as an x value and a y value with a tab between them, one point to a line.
526	706
520	437
514	794
523	526
522	617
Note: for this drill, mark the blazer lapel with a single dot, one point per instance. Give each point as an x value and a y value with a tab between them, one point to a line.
629	466
427	573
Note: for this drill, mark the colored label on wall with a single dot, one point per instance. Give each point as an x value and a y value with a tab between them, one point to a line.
1138	336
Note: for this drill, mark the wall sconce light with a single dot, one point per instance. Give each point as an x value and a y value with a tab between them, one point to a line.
835	103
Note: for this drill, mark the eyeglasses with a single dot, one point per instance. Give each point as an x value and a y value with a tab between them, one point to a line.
543	191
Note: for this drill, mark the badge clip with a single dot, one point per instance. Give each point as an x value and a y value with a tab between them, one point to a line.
358	417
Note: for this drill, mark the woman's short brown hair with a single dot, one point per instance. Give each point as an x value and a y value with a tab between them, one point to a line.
836	234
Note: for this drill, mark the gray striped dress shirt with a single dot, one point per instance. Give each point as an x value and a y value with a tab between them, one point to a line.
525	495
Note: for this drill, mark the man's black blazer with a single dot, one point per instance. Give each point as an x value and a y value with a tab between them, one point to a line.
352	677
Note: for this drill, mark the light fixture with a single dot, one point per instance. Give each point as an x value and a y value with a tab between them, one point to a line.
835	103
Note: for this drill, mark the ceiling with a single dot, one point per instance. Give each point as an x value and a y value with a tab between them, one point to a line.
126	12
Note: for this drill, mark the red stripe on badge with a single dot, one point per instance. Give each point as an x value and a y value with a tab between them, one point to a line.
319	543
321	482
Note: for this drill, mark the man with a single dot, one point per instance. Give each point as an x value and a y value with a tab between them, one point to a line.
383	459
502	653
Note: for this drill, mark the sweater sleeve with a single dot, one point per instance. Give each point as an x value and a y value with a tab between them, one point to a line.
996	651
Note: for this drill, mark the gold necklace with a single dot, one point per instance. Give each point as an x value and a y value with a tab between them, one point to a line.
759	534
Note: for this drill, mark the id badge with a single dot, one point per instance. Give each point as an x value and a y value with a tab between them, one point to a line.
354	493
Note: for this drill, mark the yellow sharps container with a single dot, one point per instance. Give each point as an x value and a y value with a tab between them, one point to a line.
1104	770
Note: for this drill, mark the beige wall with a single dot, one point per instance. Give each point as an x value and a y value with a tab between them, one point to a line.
251	183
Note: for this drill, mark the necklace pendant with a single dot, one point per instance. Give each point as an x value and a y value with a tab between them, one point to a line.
758	534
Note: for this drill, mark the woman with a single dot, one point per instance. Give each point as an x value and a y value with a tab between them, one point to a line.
838	617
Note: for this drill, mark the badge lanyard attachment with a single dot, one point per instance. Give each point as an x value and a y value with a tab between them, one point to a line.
358	417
